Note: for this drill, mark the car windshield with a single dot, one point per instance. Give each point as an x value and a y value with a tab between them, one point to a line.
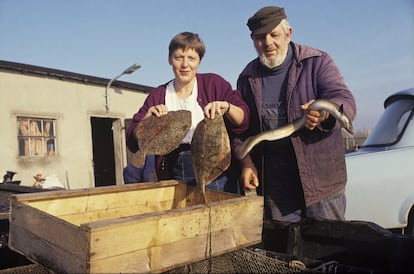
391	124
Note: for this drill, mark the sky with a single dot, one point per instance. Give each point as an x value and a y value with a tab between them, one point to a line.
371	41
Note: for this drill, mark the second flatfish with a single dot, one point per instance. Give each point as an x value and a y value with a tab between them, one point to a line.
210	154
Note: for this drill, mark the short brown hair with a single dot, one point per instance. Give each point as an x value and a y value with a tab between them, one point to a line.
186	40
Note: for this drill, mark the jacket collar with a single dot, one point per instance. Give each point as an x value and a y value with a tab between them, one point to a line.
300	53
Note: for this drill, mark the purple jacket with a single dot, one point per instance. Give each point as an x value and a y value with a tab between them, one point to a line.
320	153
211	87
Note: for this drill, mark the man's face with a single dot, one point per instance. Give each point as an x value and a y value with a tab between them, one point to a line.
272	47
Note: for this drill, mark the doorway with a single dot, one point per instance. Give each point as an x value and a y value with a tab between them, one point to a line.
104	144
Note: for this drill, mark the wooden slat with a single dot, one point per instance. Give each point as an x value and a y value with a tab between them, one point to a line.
191	250
104	201
138	261
158	228
47	254
140	232
89	206
63	194
114	213
48	227
46	239
171	255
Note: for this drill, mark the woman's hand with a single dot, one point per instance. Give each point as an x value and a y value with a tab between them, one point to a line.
216	107
157	110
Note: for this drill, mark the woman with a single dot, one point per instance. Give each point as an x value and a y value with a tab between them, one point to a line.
205	95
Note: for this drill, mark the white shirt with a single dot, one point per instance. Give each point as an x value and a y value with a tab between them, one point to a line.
173	102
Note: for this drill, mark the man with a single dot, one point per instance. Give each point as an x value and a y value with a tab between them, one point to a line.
304	175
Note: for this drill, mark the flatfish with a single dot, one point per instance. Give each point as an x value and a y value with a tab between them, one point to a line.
160	135
210	154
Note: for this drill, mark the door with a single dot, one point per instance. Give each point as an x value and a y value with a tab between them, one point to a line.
106	151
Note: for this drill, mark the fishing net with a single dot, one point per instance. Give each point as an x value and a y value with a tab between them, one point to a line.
245	260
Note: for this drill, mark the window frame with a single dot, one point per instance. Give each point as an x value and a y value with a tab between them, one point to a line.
36	136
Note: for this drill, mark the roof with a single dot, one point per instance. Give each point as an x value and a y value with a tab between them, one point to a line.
404	94
68	76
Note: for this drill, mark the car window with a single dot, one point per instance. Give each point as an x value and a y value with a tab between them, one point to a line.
391	124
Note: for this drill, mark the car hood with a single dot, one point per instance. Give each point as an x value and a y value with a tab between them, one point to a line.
365	150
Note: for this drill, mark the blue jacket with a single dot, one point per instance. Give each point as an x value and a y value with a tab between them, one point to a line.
320	153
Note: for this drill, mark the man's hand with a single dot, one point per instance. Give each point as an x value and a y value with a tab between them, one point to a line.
314	117
248	175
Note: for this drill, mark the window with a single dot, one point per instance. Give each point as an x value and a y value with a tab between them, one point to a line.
36	136
392	124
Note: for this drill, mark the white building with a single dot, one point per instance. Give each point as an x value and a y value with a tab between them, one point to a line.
61	123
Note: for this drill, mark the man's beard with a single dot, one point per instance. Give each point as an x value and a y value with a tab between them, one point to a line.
273	62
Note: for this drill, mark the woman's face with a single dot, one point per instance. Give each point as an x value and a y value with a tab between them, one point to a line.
185	63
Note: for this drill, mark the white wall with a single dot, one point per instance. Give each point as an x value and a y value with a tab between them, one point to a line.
72	104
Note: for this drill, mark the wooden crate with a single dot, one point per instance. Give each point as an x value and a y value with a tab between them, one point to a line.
144	227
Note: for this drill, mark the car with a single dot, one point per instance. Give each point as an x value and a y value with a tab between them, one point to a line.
380	186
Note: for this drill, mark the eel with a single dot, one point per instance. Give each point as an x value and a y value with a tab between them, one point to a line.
289	129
